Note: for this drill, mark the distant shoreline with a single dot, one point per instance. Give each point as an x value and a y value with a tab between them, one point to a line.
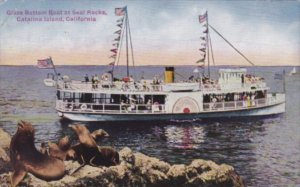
159	65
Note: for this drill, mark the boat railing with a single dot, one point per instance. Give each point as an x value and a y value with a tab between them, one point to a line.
229	87
244	104
109	108
105	85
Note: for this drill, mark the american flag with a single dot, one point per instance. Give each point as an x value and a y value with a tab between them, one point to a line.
45	63
120	11
202	18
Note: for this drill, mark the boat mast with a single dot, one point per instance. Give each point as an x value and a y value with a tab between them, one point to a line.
127	58
207	42
124	30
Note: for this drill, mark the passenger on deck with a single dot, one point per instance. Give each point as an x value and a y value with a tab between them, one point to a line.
214	101
248	100
244	100
253	99
86	78
59	77
149	104
93	82
123	107
96	80
131	78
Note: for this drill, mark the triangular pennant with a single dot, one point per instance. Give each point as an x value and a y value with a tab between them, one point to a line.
111	64
120	20
118	32
117	39
205	31
202	38
120	25
114	50
113	56
202	49
116	44
203	44
201	60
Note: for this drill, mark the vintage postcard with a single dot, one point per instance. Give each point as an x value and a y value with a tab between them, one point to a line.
149	93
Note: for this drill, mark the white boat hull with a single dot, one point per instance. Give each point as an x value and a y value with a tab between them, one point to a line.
262	111
50	82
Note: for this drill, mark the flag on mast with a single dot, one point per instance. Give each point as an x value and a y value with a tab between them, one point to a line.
202	18
45	63
120	11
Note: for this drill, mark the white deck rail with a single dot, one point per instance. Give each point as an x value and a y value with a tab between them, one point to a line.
108	108
117	86
65	106
149	87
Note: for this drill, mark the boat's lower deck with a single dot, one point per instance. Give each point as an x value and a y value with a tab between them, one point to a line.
102	112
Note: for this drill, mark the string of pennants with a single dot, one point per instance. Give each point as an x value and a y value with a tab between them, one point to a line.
116	42
203	39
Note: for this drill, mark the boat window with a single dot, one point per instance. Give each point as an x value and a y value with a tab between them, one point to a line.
159	99
86	98
115	98
67	95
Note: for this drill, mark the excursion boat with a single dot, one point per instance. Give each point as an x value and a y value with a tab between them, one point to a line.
293	72
235	93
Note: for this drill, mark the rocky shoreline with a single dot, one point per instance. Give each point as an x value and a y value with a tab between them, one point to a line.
135	169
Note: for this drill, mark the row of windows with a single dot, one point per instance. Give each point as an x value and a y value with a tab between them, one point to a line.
109	98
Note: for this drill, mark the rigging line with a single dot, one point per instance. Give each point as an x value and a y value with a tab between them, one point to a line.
231	45
131	46
180	75
4	21
212	53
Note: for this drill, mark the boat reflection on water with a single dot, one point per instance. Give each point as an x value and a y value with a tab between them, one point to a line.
184	137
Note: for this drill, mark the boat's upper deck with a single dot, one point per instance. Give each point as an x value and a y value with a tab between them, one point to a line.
148	87
229	80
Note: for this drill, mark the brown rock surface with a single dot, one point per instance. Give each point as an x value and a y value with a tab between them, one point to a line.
4	151
135	169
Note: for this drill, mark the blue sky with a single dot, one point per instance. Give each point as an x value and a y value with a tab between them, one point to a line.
163	32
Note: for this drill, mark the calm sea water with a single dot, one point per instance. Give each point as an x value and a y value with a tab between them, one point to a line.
265	151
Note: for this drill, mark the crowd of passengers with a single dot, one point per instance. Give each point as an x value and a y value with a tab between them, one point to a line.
248	97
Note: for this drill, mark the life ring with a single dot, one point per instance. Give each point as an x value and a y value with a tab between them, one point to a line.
83	107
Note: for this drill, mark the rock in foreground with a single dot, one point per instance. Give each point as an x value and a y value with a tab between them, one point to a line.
4	151
137	169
